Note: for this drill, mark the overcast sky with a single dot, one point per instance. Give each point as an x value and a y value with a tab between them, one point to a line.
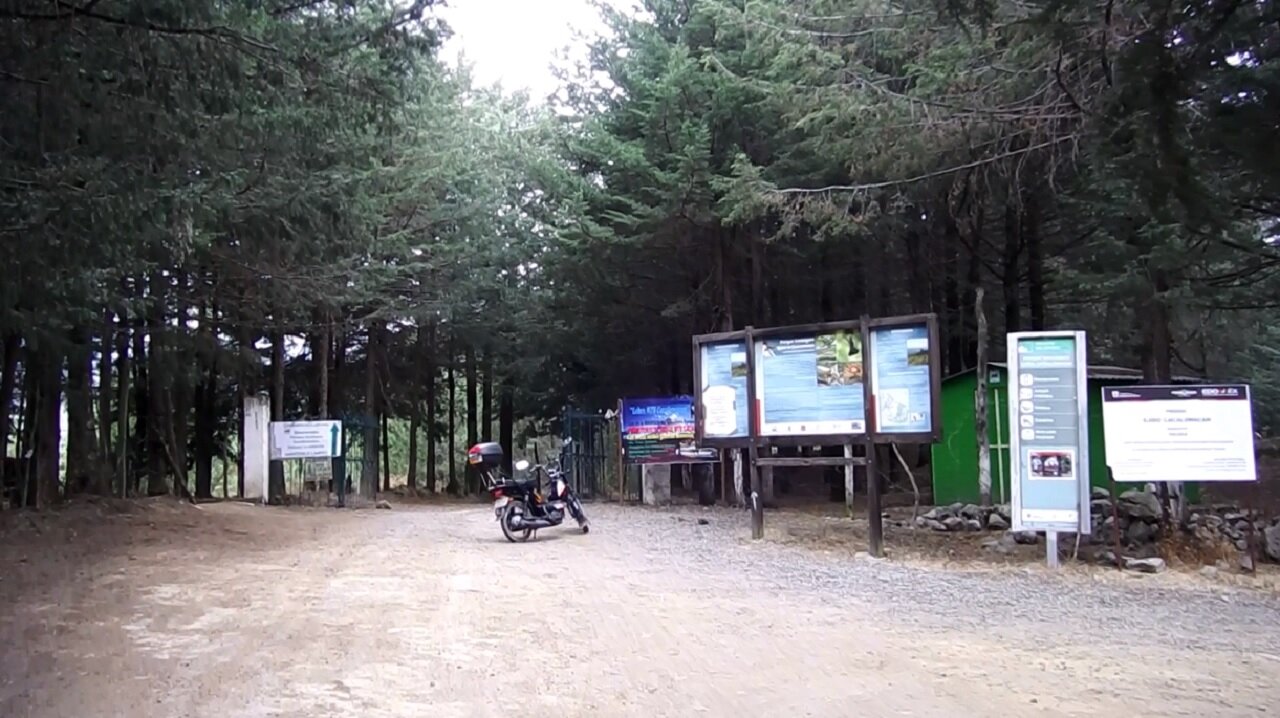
514	42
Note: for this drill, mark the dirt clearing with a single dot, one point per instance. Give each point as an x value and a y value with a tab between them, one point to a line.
235	610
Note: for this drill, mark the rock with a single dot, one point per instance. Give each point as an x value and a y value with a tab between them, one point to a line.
1140	532
864	556
1246	562
1271	542
1003	545
935	525
1107	557
935	514
383	504
1099	492
953	523
997	522
921	522
1213	522
970	511
1233	517
1144	565
973	524
1100	507
1026	538
1209	572
703	522
1140	505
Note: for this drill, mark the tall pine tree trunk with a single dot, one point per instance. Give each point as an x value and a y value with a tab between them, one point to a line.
1010	270
369	467
81	465
472	425
453	486
432	410
8	385
106	345
124	391
275	475
1035	261
507	423
48	429
486	403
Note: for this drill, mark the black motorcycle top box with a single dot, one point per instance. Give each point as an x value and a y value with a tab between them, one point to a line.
486	455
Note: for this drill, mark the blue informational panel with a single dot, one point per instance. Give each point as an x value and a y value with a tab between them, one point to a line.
725	410
811	385
661	431
1049	431
902	379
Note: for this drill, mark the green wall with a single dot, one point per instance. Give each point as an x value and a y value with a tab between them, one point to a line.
955	458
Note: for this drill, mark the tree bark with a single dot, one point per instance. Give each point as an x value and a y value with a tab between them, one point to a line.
386	450
123	392
48	430
980	403
1010	272
275	475
335	405
369	467
206	421
472	430
486	404
432	409
81	465
507	423
452	487
8	386
1035	262
106	345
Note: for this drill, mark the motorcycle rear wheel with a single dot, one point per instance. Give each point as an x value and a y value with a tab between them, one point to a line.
514	535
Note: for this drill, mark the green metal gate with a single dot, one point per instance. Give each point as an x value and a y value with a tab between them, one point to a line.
590	458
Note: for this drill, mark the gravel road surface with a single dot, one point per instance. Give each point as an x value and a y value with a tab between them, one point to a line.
234	610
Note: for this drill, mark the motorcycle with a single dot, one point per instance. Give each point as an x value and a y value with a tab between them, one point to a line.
523	507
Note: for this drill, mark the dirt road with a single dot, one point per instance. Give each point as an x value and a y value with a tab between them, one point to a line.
426	611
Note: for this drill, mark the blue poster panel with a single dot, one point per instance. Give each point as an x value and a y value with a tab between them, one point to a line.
724	390
901	379
660	431
811	385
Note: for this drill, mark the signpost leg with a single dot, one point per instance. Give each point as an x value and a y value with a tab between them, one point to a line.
1051	548
848	481
757	508
875	523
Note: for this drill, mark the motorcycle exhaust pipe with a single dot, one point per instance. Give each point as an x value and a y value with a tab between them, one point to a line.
533	524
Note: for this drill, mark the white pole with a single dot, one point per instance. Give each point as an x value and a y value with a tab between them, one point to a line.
1051	548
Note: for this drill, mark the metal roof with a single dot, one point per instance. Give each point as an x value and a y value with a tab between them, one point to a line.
1098	371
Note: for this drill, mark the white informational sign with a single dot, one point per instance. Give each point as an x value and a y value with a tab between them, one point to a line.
1049	431
1179	433
305	439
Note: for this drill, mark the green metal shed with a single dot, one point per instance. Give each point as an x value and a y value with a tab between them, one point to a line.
955	457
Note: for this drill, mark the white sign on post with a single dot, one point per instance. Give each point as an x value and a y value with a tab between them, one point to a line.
1179	433
305	440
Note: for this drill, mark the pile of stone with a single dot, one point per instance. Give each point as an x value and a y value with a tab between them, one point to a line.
1138	513
965	517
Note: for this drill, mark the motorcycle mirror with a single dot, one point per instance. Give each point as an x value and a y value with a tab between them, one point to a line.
521	465
568	441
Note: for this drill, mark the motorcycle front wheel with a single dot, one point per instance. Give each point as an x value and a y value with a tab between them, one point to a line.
513	534
575	508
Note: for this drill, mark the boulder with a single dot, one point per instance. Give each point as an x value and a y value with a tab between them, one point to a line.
1026	538
1140	532
1003	545
1098	492
1246	561
1271	542
1145	565
1100	507
1209	572
935	525
970	511
973	524
997	522
953	523
383	504
1140	505
937	513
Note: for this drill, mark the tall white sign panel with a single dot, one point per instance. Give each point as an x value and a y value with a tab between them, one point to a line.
256	446
1049	433
1179	433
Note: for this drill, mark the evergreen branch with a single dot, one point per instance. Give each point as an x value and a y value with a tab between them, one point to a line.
928	175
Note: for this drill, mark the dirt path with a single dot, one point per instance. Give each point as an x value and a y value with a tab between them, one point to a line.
244	611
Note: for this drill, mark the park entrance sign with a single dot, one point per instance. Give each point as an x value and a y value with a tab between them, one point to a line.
660	431
862	382
1049	433
1179	433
